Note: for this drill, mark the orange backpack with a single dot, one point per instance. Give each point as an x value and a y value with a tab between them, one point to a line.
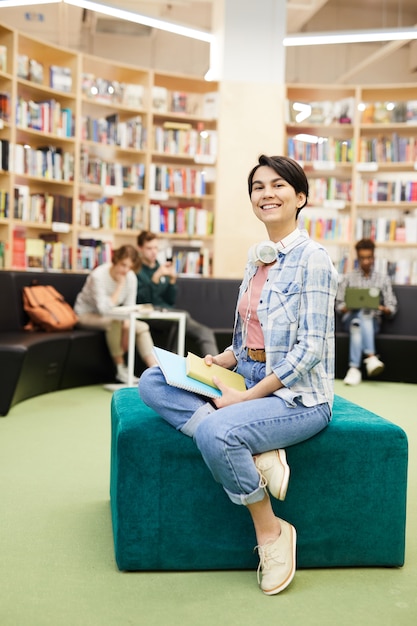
47	309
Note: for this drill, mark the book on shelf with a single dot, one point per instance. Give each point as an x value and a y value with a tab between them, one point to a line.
35	71
133	96
2	255
35	252
4	203
60	78
179	102
19	248
23	66
5	106
4	154
411	112
211	105
160	99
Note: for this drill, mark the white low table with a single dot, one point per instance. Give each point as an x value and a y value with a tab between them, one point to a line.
144	312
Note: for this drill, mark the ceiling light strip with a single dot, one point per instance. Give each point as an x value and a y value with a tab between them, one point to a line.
130	16
345	37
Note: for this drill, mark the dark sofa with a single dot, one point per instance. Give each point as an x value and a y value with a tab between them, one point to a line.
396	343
32	363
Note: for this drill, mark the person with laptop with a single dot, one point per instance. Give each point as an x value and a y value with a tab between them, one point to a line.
364	296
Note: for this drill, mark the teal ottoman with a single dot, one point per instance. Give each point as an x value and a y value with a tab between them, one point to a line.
346	498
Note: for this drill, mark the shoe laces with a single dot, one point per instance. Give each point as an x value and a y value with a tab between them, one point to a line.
262	481
268	554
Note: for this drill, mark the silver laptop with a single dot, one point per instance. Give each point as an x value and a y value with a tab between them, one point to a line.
362	297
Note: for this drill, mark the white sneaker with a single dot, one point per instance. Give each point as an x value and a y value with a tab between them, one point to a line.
374	366
275	472
353	376
122	375
277	560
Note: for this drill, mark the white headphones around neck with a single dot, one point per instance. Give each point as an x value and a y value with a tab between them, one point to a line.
263	253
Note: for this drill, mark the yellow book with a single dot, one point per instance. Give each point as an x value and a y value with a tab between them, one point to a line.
196	368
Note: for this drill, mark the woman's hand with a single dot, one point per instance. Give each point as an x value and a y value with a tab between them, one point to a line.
229	395
224	359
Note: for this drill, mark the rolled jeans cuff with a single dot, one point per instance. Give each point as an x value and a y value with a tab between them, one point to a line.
247	498
190	427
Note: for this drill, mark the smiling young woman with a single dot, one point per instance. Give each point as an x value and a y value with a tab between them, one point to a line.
283	345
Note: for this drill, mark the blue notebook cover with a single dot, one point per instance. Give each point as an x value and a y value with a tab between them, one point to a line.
173	368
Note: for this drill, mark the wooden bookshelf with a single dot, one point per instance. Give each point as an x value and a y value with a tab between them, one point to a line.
79	148
358	146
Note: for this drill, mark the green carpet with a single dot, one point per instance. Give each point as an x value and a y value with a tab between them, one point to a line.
57	564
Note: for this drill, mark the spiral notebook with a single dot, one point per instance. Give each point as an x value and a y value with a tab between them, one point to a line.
174	369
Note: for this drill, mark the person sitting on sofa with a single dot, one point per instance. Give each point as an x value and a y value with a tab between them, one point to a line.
108	286
363	324
157	286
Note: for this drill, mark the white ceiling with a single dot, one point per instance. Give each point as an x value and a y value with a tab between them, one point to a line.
64	24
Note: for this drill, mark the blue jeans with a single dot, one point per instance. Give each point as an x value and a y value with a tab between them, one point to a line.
362	327
229	437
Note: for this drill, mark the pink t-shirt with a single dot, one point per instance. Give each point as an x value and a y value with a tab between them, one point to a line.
248	307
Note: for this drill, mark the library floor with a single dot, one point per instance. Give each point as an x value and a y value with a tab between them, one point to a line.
57	563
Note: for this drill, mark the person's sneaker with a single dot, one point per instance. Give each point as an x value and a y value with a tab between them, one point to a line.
274	470
373	366
277	560
353	376
122	375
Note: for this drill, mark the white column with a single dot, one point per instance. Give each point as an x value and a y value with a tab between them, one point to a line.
248	59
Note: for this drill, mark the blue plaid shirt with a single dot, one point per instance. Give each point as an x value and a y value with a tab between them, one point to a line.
296	313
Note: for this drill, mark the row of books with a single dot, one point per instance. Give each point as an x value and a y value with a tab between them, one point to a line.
322	189
2	255
95	171
42	208
112	91
375	190
184	181
44	162
392	149
389	112
111	131
190	220
191	260
322	228
196	104
382	229
46	116
176	140
401	272
4	106
92	252
108	215
48	255
44	252
326	149
60	78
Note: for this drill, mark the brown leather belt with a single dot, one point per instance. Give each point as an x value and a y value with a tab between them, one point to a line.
257	355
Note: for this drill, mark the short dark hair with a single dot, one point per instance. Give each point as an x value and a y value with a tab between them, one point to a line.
288	169
145	236
365	244
126	252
